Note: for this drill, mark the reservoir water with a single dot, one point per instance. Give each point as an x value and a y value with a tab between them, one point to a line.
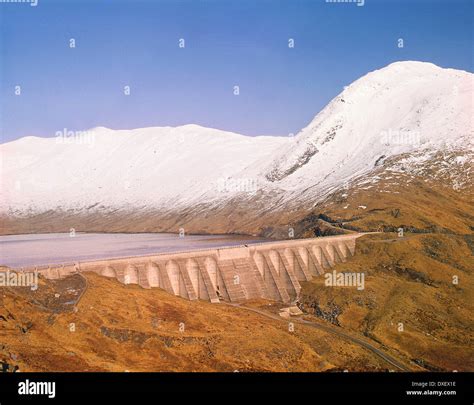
60	248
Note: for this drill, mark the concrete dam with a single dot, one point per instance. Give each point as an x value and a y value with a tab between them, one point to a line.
270	270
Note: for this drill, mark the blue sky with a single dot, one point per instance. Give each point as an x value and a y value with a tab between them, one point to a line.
227	43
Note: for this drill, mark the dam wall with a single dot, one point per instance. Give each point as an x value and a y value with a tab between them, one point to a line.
271	270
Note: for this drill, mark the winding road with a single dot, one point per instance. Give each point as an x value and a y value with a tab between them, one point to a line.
329	329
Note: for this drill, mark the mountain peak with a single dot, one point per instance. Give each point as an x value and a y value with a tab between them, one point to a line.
403	107
412	65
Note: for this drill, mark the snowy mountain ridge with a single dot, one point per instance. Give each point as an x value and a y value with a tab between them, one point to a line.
406	107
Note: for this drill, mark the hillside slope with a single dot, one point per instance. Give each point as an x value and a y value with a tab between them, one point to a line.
114	327
408	282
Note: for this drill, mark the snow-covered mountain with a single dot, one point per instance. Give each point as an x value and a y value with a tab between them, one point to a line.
402	108
154	167
405	109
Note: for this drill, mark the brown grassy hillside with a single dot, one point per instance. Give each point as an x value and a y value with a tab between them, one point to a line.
120	328
408	280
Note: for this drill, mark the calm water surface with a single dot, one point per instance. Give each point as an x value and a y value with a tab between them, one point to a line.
60	248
